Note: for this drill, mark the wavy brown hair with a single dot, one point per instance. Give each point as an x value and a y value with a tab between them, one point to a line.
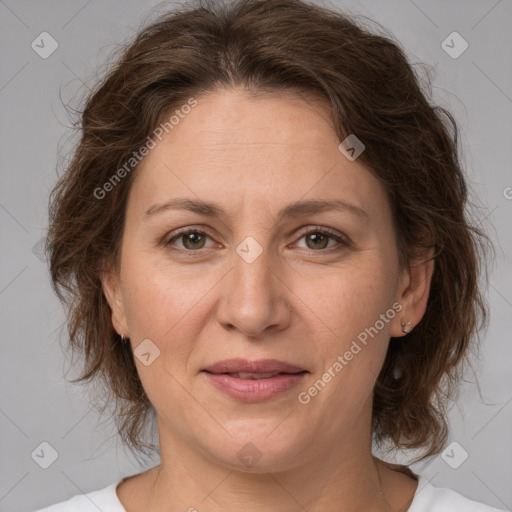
273	46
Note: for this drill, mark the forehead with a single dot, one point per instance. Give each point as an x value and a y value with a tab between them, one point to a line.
267	150
236	119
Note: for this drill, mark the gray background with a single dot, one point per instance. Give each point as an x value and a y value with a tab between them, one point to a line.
36	404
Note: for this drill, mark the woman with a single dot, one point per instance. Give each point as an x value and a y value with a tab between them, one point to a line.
262	239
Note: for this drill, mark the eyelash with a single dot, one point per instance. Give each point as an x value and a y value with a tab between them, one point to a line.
317	230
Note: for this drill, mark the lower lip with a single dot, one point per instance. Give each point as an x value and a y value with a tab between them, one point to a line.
254	390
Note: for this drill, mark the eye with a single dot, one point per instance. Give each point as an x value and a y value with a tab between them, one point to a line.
318	238
193	239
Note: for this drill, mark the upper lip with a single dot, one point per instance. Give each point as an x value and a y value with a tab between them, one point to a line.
258	366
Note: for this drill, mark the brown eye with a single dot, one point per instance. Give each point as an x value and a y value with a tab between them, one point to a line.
191	239
318	239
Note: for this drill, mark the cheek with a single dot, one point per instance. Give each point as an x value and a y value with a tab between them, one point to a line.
162	307
166	306
156	297
346	301
350	336
146	304
351	339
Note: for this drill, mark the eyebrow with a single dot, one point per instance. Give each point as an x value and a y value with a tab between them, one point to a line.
298	209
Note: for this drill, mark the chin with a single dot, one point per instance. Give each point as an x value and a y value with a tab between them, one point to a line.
259	446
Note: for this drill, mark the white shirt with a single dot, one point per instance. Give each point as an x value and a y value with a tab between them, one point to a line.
427	498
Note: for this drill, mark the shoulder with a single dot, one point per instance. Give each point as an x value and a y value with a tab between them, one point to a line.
102	499
429	498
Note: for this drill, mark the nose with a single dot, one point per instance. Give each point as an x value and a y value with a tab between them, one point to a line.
255	297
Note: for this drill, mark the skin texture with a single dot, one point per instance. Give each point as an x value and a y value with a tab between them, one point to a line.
302	301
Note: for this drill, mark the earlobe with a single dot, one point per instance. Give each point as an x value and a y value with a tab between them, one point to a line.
413	293
406	326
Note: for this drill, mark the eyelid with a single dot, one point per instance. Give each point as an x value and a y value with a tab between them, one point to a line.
321	229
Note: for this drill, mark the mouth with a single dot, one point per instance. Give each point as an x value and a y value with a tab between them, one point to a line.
254	381
256	376
257	367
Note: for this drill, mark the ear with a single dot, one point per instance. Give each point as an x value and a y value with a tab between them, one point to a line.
413	292
112	290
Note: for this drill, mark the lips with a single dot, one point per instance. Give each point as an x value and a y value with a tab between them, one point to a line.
254	381
243	368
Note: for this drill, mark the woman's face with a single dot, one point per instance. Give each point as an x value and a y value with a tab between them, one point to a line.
250	284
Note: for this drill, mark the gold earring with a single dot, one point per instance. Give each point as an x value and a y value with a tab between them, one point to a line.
404	325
